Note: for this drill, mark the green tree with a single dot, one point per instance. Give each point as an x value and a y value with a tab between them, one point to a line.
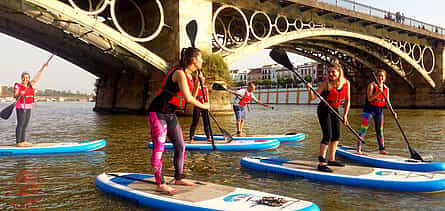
215	68
308	78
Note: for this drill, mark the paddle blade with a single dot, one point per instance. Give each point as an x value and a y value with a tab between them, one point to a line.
192	28
414	154
227	136
6	112
280	56
217	86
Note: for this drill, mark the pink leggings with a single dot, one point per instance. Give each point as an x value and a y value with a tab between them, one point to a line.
163	125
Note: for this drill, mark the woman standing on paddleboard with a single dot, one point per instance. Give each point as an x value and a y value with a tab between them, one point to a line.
197	112
375	102
24	92
176	90
336	92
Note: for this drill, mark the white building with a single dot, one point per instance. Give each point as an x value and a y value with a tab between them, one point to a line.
273	72
240	75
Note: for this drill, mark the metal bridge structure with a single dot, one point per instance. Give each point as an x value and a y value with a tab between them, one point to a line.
130	44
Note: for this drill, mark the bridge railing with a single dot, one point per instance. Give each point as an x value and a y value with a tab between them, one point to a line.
397	17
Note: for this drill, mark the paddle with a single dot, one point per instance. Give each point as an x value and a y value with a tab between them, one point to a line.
227	137
219	87
192	28
412	152
281	57
132	178
6	112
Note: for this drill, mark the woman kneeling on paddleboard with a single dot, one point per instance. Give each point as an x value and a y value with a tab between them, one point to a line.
24	92
176	90
336	92
375	102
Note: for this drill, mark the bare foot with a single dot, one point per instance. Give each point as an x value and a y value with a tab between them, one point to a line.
192	141
383	152
24	144
163	188
184	182
359	152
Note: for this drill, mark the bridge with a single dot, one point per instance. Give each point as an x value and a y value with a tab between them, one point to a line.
129	45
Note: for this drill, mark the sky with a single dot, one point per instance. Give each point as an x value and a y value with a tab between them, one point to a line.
18	56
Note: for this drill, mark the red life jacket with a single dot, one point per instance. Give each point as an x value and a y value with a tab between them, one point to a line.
245	99
177	99
199	96
336	98
379	101
28	97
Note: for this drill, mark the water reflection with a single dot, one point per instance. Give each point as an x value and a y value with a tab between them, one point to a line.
36	182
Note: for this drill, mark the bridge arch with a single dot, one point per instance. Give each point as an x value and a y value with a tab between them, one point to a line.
315	33
90	29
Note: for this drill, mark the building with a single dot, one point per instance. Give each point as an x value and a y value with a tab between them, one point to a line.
239	75
317	71
273	72
255	74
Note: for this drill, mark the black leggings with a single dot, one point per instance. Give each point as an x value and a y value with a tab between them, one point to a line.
329	123
23	116
197	112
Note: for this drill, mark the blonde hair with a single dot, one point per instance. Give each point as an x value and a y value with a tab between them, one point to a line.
340	78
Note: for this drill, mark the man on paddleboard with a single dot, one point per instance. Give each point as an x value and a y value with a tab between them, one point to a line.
242	97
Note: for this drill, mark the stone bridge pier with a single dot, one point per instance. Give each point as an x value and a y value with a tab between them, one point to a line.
130	91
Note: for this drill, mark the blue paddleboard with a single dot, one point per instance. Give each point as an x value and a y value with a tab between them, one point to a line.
141	188
283	138
52	148
231	146
361	176
389	161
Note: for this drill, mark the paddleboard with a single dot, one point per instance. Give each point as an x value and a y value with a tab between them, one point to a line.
224	146
283	138
141	188
51	148
362	176
389	161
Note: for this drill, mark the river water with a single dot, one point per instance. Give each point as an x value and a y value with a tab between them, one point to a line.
66	182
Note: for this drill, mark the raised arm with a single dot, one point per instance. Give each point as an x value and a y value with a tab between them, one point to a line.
40	73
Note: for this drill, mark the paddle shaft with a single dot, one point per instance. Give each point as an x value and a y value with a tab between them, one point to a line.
206	111
329	106
132	178
224	132
411	150
234	93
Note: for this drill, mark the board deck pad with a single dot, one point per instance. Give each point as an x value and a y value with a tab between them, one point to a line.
201	196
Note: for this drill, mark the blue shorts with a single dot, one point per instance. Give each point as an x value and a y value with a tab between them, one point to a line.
240	112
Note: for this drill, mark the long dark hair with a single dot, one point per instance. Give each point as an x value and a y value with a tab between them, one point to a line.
187	55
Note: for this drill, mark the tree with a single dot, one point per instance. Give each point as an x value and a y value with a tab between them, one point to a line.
308	78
